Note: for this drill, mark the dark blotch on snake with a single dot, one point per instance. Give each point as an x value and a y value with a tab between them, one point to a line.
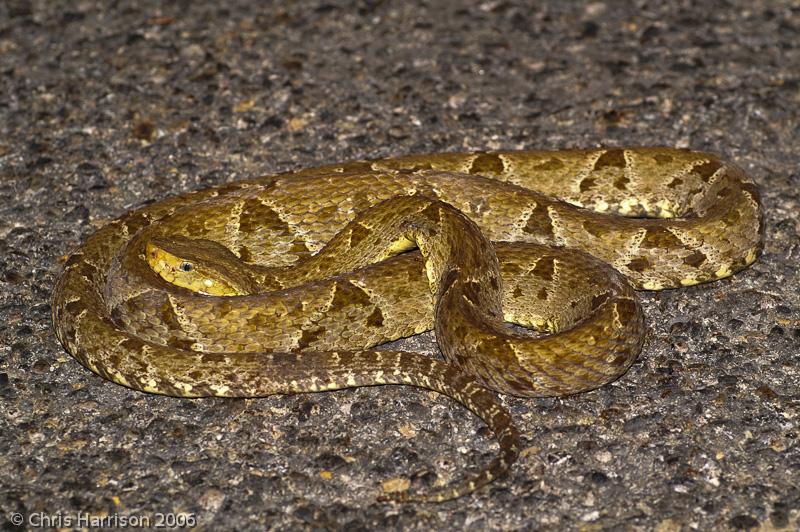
598	300
706	170
213	358
639	264
432	213
245	255
659	237
677	181
358	233
545	268
542	294
586	184
695	259
612	159
347	294
621	183
593	228
539	223
256	216
376	318
310	336
487	163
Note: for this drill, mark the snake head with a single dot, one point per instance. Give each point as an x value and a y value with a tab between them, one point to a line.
199	265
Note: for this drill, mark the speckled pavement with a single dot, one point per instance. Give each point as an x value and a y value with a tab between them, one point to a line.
106	105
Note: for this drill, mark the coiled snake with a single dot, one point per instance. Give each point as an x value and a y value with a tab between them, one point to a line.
302	293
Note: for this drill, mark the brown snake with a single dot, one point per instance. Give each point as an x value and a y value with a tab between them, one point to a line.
301	257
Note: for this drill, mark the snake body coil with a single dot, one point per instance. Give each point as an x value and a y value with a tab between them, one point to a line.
318	278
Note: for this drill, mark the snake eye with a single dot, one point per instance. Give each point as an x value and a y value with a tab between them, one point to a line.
186	266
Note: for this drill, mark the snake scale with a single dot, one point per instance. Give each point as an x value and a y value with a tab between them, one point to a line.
286	283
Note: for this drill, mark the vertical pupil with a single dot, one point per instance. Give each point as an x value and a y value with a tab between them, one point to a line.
186	266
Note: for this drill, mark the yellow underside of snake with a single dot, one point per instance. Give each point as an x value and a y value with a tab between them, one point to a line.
285	283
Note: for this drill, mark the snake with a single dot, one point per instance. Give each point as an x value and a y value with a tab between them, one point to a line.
524	263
